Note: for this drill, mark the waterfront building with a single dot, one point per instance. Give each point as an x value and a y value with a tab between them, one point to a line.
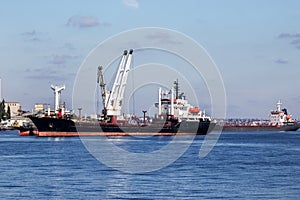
15	107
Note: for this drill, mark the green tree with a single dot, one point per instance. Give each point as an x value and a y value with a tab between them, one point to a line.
2	110
8	113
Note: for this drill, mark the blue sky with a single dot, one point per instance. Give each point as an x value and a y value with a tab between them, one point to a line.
255	44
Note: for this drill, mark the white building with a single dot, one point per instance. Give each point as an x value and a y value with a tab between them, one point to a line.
15	107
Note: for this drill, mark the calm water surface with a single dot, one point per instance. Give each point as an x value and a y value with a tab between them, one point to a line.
241	166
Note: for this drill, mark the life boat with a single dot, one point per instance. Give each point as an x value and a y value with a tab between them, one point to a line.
194	110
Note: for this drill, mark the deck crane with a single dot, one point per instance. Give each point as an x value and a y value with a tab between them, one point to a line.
112	100
100	81
57	93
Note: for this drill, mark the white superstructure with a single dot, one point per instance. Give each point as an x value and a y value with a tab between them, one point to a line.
279	116
178	107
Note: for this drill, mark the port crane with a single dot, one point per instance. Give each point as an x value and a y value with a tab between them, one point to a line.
113	100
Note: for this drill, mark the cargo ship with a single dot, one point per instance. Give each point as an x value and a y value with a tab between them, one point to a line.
175	116
279	120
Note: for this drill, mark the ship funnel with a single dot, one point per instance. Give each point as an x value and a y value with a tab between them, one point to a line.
285	111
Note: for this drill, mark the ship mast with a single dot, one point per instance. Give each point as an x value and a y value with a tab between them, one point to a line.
279	105
176	88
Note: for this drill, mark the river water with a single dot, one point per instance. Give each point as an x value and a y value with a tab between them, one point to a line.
241	166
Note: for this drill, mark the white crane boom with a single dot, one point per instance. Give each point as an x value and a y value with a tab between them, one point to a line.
118	103
114	102
115	88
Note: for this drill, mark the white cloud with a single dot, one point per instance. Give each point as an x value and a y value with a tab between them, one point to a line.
163	38
281	61
29	33
82	21
131	3
289	35
32	36
294	38
61	59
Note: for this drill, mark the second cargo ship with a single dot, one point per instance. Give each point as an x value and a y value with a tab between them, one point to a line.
279	120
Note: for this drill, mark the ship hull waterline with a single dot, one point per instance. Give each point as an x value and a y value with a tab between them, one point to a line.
53	127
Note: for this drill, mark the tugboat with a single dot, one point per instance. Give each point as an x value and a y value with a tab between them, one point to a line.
175	115
279	120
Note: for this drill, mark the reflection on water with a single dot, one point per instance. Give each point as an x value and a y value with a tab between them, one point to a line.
241	166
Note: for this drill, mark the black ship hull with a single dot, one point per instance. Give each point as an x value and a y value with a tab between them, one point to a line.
263	128
64	127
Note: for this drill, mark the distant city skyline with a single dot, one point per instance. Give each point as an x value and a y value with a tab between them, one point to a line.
255	44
